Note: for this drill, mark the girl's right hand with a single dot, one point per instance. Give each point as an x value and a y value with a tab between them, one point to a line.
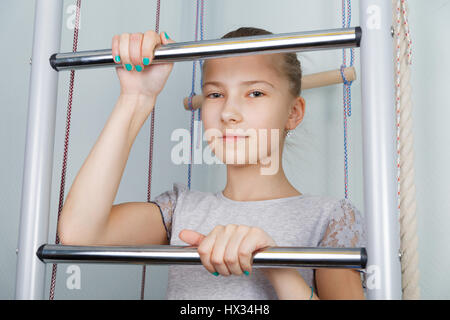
136	52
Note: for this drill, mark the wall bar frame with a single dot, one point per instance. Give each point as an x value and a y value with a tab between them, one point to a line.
379	152
38	159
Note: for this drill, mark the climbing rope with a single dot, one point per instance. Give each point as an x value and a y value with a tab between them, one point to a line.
405	156
347	93
66	145
192	94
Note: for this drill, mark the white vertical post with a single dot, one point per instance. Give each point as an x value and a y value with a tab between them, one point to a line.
379	150
38	161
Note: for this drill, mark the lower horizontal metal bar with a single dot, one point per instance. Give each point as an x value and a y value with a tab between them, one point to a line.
293	257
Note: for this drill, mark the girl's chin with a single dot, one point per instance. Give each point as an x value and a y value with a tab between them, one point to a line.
238	160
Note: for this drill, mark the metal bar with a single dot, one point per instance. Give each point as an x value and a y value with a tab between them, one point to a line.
299	257
219	48
38	160
379	151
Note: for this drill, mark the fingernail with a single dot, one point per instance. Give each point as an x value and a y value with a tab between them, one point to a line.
216	273
146	61
117	58
246	272
129	67
138	68
167	37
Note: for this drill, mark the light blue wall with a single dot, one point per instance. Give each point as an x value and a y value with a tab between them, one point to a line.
314	165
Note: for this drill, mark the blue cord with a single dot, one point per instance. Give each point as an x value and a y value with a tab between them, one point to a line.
193	92
347	93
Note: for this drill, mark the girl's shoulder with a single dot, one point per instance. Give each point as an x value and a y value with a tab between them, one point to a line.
345	225
334	205
340	221
179	192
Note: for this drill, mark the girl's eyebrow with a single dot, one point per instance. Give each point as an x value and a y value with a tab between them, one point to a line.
217	83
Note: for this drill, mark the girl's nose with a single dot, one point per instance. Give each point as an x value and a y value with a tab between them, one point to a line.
231	113
231	116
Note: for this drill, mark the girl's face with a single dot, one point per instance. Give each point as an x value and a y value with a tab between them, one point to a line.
246	96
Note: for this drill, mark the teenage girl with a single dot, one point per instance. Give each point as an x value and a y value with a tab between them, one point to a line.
250	102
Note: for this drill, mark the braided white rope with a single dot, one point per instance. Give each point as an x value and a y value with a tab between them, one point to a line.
405	153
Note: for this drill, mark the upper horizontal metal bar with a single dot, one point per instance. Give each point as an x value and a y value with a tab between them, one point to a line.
219	48
294	257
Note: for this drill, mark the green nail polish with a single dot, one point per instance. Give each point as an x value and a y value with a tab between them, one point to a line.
167	37
129	67
216	273
138	68
246	272
146	61
117	58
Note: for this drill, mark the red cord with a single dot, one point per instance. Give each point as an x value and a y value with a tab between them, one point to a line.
150	157
66	147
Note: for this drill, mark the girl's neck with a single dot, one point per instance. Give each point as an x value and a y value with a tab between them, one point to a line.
245	183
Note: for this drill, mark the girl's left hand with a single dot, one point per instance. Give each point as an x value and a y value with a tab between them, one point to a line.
228	249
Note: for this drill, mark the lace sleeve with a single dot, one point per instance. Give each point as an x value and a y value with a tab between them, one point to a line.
346	227
166	203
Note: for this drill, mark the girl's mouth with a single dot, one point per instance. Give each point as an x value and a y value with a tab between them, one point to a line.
233	138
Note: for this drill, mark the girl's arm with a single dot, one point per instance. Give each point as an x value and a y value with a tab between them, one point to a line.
332	284
87	216
88	204
289	284
339	284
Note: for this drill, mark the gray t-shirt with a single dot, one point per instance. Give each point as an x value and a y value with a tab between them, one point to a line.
298	221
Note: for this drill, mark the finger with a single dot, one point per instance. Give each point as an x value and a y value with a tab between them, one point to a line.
164	39
217	255
115	48
135	50
191	237
150	41
205	250
251	243
124	53
231	256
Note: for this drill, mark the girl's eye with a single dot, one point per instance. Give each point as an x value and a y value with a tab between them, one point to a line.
259	93
211	94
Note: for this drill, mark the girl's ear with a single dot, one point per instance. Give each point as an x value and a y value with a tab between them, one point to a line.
297	113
